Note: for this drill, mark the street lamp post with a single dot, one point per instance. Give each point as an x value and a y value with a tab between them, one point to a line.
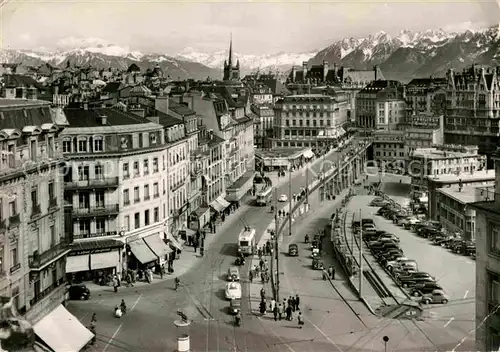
275	245
290	201
386	339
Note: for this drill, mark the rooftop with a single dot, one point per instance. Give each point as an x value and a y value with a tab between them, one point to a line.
167	120
437	154
487	206
279	152
21	102
483	175
78	117
467	195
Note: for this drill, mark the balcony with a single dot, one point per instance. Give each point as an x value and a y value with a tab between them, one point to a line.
14	220
177	185
52	203
39	261
79	236
234	164
89	212
156	195
46	301
97	183
36	211
15	268
146	198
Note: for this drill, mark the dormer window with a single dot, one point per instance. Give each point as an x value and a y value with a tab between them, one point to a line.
152	138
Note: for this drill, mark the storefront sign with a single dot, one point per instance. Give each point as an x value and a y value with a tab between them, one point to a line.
91	251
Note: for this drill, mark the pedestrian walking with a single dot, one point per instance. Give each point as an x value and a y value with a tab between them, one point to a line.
263	277
261	264
280	311
272	305
262	294
289	313
292	299
115	284
275	313
300	319
297	302
262	307
250	276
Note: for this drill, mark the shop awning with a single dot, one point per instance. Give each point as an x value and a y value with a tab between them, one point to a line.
156	244
173	242
142	252
217	206
77	263
105	260
308	154
62	331
342	131
223	202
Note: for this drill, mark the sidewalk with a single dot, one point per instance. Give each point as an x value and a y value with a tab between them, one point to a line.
188	258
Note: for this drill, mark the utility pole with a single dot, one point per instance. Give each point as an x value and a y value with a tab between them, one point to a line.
307	184
276	223
290	200
360	258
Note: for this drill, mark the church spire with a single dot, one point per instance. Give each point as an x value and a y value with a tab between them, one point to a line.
231	51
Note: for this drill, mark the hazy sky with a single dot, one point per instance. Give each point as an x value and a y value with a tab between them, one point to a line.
257	26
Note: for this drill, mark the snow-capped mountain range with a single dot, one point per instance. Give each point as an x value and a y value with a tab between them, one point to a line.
405	55
275	62
415	54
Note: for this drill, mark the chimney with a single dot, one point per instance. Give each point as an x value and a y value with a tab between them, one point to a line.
85	106
375	70
161	104
104	120
210	134
304	69
294	74
325	70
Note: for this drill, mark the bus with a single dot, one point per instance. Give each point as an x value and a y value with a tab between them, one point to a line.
246	241
265	196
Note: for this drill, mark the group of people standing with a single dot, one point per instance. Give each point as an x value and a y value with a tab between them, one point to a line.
284	310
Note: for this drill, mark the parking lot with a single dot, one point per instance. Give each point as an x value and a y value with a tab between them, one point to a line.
454	272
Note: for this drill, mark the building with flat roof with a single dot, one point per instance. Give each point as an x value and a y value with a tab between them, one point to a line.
434	183
454	213
441	160
488	267
308	120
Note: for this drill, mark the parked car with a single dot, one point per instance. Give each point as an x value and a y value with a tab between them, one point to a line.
293	250
235	306
396	263
233	273
79	292
233	290
437	296
424	289
390	236
283	198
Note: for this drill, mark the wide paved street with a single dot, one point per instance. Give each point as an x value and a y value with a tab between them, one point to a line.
152	309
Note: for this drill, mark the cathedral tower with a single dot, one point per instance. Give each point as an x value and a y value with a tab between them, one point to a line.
231	73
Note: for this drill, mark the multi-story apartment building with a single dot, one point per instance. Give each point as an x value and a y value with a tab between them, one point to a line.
393	148
426	95
33	241
306	121
389	149
473	108
207	173
118	190
381	105
263	125
443	160
225	115
488	268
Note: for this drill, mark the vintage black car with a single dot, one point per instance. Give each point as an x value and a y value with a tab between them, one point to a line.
79	291
293	250
318	264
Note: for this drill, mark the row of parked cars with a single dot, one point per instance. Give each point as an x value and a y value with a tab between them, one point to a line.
432	231
386	249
